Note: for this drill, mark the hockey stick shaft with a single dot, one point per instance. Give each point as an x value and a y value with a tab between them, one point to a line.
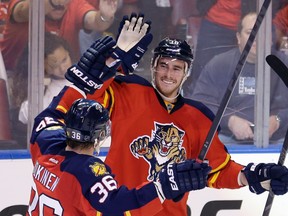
280	68
233	81
281	160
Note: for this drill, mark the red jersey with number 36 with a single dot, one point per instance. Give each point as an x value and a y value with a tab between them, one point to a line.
69	184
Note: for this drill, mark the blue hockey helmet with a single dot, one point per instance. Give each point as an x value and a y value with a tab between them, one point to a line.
173	48
86	121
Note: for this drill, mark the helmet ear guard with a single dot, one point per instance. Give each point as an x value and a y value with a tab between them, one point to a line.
87	121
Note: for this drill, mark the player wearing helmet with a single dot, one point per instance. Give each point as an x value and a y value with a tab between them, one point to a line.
154	126
87	122
68	180
171	58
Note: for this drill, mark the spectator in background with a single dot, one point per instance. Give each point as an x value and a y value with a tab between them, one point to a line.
217	30
216	34
63	17
86	38
238	120
280	22
57	58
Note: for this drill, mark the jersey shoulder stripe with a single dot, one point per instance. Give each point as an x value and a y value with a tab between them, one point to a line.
200	106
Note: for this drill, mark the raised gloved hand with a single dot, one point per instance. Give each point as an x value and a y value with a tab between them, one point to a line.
258	174
91	70
132	41
179	178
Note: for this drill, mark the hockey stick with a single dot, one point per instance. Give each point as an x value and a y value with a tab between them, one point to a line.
280	68
233	81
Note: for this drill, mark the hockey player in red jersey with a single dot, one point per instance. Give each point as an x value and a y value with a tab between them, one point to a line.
69	180
153	125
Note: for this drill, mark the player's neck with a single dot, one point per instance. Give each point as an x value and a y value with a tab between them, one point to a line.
88	151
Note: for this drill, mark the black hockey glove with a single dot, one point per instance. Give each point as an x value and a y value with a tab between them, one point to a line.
256	174
179	178
132	41
91	70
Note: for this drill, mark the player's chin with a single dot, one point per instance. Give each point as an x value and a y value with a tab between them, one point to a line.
169	92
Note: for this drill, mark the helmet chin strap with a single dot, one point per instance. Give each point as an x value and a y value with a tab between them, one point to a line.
169	99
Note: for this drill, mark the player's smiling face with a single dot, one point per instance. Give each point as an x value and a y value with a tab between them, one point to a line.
169	74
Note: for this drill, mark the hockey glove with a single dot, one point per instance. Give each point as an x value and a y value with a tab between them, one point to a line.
132	41
256	174
91	71
179	178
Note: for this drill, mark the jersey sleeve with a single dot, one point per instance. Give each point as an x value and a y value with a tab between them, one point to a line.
225	171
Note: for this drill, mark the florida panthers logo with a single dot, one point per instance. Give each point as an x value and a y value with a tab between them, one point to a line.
163	147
